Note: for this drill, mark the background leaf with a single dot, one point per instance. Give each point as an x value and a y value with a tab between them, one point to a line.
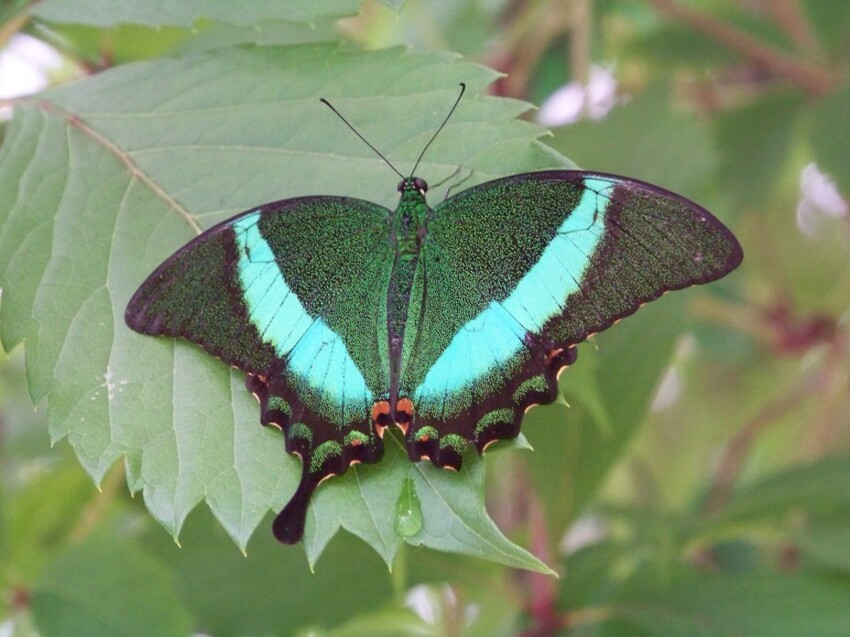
188	13
695	604
131	595
209	573
393	4
830	136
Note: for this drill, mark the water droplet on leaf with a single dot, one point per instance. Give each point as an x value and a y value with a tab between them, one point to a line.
408	521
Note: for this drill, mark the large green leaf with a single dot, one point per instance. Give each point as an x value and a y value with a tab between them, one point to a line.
187	12
103	179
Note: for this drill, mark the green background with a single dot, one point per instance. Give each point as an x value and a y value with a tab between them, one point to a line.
695	478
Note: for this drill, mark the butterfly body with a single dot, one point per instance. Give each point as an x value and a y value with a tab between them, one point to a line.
409	228
448	322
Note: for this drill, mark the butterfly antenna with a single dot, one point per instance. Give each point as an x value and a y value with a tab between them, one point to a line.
422	154
365	141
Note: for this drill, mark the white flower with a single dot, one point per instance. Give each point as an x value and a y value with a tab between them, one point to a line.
586	531
434	603
25	65
819	201
576	101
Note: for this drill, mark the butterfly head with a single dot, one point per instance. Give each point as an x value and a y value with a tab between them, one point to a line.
413	184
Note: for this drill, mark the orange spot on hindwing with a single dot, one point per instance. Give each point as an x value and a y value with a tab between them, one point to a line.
404	413
381	416
553	354
381	413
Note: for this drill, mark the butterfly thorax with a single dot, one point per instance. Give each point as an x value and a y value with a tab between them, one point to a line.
407	235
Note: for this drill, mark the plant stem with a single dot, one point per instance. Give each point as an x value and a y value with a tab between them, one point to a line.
399	575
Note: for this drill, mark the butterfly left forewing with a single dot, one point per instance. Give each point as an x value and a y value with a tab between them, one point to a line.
196	294
515	272
293	293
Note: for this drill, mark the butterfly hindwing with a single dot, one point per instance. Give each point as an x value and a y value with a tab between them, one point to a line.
293	293
517	271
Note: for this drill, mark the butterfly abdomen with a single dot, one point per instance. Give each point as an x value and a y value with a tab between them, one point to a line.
408	232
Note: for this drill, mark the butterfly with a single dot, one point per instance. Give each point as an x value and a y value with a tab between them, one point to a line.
448	322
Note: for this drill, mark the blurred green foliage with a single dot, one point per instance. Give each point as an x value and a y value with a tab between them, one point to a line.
698	483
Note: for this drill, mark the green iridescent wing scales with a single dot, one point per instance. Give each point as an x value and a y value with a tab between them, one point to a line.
515	272
294	294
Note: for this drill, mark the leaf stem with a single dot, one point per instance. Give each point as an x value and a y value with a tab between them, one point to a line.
399	575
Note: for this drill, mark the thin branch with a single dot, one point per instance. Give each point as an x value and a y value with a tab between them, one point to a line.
809	76
737	450
535	26
11	27
580	40
792	19
832	409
